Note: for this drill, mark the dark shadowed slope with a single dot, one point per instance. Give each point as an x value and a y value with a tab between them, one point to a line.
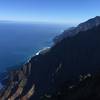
86	88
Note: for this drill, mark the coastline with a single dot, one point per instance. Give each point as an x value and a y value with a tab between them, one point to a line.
4	75
41	51
8	80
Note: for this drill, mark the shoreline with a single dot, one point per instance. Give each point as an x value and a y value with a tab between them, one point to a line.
41	51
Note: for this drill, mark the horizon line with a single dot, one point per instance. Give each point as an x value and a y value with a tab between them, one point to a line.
40	22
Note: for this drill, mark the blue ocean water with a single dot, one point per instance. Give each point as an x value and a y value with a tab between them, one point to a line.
18	41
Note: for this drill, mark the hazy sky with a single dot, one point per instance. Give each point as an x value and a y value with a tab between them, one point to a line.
56	11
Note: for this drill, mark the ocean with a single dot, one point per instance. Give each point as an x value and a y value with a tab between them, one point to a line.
18	41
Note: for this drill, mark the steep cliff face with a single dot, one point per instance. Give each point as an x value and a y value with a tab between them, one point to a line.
64	62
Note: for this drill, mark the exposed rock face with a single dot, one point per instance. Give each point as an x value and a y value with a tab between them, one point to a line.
17	80
64	62
81	27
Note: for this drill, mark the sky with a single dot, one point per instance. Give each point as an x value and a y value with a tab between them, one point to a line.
51	11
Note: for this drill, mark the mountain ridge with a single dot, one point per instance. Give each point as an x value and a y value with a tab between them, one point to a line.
93	22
